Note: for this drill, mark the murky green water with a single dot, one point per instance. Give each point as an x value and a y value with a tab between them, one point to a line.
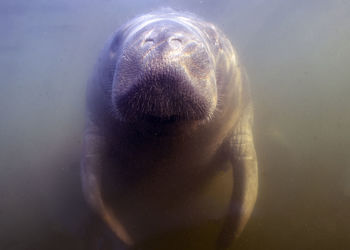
297	55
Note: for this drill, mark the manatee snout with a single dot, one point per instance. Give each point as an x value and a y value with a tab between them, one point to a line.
165	72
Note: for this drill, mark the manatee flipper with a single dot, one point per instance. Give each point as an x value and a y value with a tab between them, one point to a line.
242	155
95	148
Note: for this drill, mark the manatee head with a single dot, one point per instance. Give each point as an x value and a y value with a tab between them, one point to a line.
164	70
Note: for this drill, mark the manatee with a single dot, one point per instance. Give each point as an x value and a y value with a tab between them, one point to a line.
169	160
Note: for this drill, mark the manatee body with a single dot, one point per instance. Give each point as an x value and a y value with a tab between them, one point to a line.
169	159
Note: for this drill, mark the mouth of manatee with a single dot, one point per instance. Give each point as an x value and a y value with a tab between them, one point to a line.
163	95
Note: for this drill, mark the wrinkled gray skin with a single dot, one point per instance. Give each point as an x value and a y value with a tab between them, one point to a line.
168	140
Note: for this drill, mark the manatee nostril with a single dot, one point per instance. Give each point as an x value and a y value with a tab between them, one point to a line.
175	42
148	40
176	39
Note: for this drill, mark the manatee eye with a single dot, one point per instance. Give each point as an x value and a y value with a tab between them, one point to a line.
116	42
